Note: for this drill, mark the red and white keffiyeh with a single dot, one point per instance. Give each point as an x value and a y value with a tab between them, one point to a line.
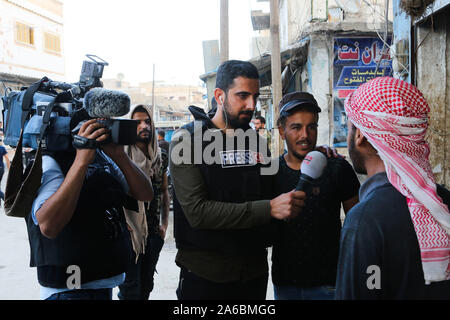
393	116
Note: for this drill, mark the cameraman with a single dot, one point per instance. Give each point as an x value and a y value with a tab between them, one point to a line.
78	236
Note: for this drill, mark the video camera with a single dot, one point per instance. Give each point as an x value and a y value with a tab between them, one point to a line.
49	111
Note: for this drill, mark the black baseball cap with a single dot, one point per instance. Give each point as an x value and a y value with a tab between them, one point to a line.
303	100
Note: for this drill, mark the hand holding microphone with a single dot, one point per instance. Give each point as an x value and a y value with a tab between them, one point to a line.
289	205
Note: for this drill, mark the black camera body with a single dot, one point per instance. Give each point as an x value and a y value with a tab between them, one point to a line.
91	73
121	131
47	111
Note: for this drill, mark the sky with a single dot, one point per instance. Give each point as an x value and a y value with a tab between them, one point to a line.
132	35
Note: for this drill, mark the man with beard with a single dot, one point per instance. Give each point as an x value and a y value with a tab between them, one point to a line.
260	127
222	219
148	223
304	257
395	243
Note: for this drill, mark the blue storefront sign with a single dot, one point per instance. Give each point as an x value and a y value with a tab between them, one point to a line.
356	61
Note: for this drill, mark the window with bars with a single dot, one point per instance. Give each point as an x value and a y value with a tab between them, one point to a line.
52	43
24	34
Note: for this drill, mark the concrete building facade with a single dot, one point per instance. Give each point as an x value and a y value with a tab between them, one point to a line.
422	57
31	41
323	44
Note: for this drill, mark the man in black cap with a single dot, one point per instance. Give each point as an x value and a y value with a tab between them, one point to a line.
304	257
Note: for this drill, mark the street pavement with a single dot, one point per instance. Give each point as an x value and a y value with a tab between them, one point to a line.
19	282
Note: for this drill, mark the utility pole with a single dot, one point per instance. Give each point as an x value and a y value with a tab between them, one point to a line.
276	63
224	37
153	95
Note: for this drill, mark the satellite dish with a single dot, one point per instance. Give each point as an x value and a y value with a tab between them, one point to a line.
349	6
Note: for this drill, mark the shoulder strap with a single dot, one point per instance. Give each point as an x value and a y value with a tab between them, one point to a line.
62	96
28	98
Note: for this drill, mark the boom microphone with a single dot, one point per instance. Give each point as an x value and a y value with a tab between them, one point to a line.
311	169
104	103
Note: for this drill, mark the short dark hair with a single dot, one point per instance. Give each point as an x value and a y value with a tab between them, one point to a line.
162	133
232	69
261	119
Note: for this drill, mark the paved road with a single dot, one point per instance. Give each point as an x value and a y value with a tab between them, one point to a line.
19	282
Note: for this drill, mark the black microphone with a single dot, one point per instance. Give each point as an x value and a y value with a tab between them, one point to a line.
104	103
311	169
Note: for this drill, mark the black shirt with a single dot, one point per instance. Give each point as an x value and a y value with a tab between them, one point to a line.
164	145
379	240
307	247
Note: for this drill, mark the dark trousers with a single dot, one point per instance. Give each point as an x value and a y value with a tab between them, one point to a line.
2	171
193	287
83	294
139	276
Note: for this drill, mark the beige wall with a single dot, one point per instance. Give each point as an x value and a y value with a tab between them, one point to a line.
433	74
53	6
32	61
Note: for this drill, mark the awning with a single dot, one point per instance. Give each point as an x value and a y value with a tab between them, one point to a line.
15	80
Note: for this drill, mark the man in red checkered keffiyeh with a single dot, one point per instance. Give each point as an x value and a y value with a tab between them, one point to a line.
393	115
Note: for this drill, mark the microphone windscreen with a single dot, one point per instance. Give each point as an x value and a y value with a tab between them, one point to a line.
314	164
104	103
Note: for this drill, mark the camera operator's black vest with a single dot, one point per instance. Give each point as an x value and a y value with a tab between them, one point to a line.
225	182
96	239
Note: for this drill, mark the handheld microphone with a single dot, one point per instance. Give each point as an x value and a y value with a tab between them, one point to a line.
104	103
311	169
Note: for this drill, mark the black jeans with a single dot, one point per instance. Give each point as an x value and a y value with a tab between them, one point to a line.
139	277
193	287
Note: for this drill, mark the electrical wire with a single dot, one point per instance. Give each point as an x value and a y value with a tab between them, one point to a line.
385	36
372	6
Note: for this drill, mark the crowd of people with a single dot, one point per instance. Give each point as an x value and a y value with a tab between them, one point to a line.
106	210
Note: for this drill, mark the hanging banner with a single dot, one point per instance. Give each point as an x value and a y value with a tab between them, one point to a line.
356	61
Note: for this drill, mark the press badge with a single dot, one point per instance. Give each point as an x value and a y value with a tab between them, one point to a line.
240	158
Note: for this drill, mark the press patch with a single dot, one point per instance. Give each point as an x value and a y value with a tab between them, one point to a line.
240	158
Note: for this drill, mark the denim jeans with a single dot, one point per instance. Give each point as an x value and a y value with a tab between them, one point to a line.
299	293
2	171
139	276
83	294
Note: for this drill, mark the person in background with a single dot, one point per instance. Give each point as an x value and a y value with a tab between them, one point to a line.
162	143
3	155
260	127
149	223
